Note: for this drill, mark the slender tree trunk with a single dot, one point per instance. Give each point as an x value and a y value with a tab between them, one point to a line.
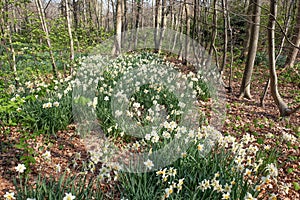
225	37
214	33
229	88
84	13
286	28
124	20
101	13
282	106
156	18
142	14
162	24
75	14
107	26
214	28
272	63
137	21
187	30
177	24
118	37
45	29
249	7
97	15
245	87
69	23
180	56
291	58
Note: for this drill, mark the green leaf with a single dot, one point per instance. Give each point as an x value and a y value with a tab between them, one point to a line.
260	140
290	170
296	186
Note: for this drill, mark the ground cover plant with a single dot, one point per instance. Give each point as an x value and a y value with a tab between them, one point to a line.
215	166
149	100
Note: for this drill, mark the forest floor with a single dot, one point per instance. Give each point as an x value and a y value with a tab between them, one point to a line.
243	116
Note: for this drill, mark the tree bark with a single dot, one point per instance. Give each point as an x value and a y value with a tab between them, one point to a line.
282	106
124	20
187	30
225	37
286	28
214	34
245	87
45	29
291	58
118	37
137	21
156	19
249	27
69	23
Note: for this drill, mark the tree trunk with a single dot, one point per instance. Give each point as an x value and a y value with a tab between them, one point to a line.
75	13
124	21
162	24
187	30
137	21
45	29
156	18
70	31
229	88
118	37
214	28
176	26
286	28
225	37
249	27
84	13
245	87
282	106
291	58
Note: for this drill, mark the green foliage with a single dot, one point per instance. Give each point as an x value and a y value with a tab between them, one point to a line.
261	58
81	186
27	152
219	164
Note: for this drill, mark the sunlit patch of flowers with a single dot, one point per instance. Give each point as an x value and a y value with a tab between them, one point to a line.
154	104
168	179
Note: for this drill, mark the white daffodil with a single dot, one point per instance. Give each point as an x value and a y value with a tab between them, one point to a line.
149	164
9	196
20	168
69	196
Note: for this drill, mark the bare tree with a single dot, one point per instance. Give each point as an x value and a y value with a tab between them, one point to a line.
156	24
118	37
187	30
282	106
245	87
249	6
41	14
214	33
294	51
137	20
69	23
286	28
225	36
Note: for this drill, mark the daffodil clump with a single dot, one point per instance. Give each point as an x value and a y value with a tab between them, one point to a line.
210	165
214	167
40	104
